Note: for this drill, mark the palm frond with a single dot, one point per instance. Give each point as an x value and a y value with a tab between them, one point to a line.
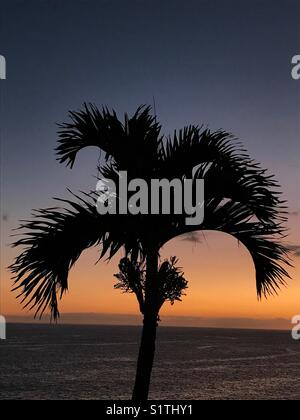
269	258
53	241
89	127
264	242
228	171
194	145
132	143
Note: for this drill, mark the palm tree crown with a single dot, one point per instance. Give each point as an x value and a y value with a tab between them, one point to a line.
241	199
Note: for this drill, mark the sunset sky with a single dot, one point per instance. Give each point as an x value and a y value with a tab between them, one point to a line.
223	64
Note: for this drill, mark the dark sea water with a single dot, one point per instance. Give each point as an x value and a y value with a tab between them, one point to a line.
98	362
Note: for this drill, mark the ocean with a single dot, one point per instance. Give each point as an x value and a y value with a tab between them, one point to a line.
66	362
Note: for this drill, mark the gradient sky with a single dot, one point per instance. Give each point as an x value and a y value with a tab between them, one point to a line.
221	63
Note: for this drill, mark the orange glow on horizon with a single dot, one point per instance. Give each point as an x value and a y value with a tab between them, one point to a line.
221	284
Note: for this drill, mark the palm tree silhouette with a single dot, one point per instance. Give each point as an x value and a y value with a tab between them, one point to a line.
241	199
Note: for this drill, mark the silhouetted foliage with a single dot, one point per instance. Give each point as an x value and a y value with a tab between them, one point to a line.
171	281
241	199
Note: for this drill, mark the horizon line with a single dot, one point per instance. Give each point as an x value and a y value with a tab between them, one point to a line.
112	319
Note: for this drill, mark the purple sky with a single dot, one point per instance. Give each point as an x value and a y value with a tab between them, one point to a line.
226	64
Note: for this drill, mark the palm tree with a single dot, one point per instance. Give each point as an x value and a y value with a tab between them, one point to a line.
241	199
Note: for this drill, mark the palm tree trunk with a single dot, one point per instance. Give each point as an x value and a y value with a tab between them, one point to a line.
147	347
145	361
